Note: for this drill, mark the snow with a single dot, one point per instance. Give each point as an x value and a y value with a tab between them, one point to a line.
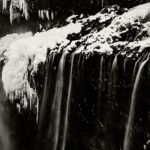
144	44
19	51
140	12
26	51
10	38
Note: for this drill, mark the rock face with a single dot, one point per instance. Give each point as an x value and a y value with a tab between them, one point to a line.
87	82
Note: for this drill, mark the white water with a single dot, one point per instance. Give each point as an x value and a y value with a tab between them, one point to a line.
44	103
102	63
136	66
114	73
53	132
129	128
68	103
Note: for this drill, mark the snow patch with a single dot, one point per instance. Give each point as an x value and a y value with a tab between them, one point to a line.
21	51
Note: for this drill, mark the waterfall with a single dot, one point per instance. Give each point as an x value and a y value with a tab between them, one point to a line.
114	72
45	99
86	82
68	103
137	64
134	98
100	81
53	131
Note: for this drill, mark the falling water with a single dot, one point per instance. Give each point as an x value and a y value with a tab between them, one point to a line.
45	94
101	72
100	81
130	123
44	105
114	72
68	103
137	64
53	132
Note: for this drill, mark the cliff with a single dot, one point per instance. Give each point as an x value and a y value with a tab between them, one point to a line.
87	82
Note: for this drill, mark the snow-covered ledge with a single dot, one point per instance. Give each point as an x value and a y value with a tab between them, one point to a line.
23	48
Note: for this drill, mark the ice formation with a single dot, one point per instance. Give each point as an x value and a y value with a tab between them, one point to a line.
44	14
20	51
14	5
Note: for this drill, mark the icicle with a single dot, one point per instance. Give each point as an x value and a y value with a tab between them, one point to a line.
4	4
11	13
21	4
18	107
16	94
30	99
25	102
11	98
25	10
42	14
52	15
47	14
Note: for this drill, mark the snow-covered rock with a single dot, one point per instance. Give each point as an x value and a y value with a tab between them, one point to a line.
103	32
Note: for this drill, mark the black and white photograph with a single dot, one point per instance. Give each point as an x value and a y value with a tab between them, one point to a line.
74	74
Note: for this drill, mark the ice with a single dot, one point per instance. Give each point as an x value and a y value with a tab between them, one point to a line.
34	48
